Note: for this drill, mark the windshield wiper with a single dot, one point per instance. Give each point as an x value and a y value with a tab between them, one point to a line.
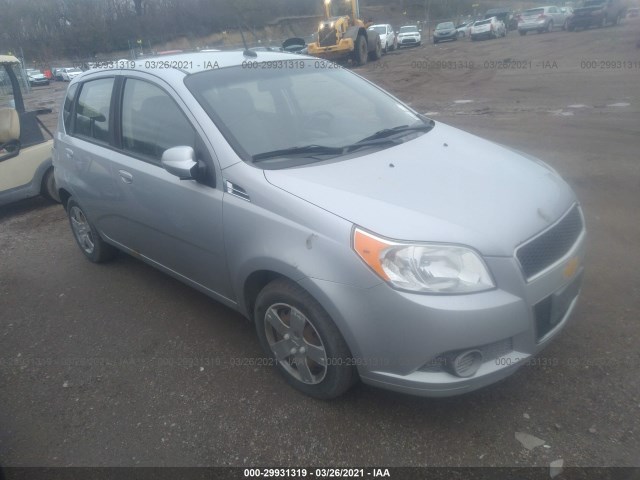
309	150
400	129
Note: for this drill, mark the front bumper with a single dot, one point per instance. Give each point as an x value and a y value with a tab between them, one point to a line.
450	36
408	41
395	336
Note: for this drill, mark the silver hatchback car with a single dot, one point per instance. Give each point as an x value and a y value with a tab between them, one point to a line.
362	239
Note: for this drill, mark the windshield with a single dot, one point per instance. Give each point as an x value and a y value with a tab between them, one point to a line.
408	29
533	11
379	29
316	104
444	26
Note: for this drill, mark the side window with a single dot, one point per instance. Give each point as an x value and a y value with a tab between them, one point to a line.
151	121
92	110
68	103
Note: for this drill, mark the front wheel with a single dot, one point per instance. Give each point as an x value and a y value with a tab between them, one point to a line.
302	340
88	239
550	26
522	32
360	52
376	53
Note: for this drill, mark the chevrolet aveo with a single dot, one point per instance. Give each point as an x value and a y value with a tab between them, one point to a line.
364	240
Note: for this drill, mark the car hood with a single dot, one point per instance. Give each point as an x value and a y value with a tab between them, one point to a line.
444	186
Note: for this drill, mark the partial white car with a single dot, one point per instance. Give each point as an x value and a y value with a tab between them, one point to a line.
542	19
464	29
387	36
36	77
69	74
488	28
409	35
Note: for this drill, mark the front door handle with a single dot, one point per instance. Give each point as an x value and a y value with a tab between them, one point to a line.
125	176
69	153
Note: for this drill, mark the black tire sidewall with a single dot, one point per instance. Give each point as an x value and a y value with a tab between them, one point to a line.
341	372
102	251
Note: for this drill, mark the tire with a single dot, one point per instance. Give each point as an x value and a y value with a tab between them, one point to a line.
522	32
360	51
327	372
604	22
571	28
550	26
385	50
419	43
48	188
376	53
88	239
435	42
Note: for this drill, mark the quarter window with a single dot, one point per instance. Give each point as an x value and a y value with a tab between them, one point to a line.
68	103
92	111
151	121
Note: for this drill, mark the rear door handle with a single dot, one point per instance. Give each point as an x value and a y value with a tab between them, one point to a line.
125	176
69	153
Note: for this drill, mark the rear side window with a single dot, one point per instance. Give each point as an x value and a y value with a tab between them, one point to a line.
68	103
152	122
92	110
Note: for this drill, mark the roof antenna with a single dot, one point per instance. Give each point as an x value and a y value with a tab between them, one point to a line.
247	52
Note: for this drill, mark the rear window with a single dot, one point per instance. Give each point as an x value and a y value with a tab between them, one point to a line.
444	26
68	104
408	29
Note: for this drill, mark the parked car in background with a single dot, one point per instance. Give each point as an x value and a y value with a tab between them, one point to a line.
36	77
409	35
599	13
445	31
633	12
57	73
541	19
488	28
69	74
25	144
240	183
505	15
464	29
387	36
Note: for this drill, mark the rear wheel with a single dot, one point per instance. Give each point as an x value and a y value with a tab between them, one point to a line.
360	51
48	188
522	32
302	340
604	22
550	26
88	239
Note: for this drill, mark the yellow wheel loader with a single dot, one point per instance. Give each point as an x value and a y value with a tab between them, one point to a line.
345	38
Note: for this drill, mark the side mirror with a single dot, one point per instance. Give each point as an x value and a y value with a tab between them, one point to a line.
181	162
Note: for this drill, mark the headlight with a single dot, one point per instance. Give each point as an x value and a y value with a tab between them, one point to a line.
423	267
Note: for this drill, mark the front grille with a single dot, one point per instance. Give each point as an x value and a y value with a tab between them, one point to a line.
549	247
327	36
490	352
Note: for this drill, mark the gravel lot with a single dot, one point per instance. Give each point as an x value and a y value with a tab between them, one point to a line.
119	364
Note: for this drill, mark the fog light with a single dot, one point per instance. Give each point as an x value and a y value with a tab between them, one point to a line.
467	363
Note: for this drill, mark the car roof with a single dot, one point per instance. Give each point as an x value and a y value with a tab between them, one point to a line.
168	66
195	62
8	59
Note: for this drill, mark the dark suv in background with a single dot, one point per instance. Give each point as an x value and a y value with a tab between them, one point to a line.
597	13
